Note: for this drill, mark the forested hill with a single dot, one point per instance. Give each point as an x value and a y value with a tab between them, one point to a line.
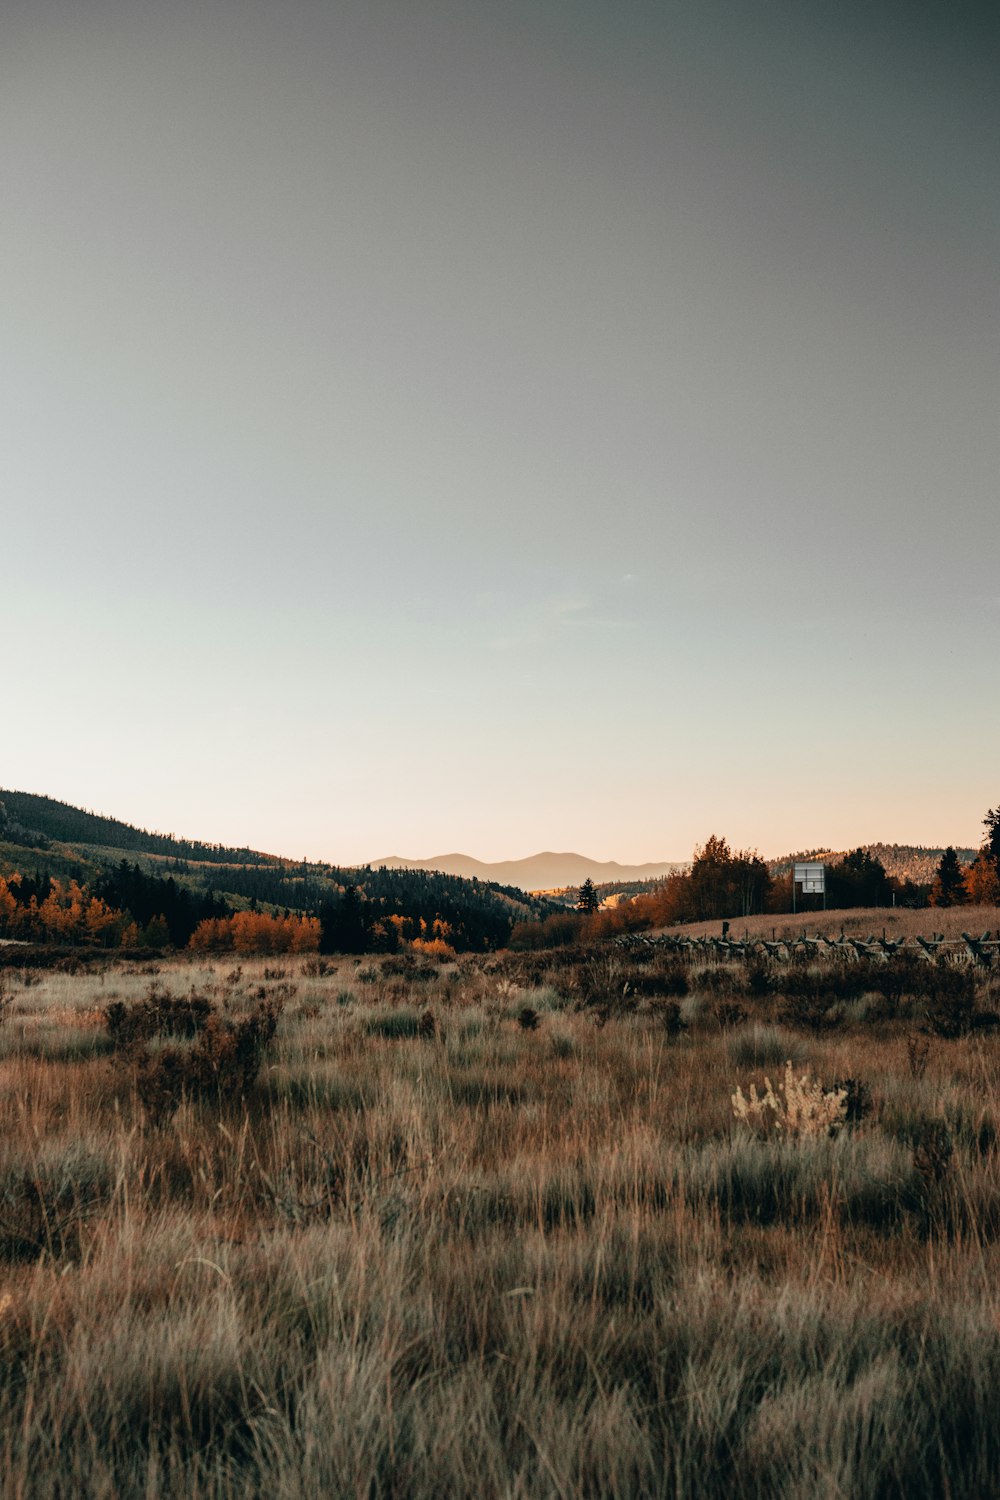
916	862
149	874
29	819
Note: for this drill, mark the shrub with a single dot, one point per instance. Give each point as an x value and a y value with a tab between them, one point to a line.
932	1152
729	1014
434	948
903	976
158	1014
857	1099
810	996
223	1064
668	1013
951	999
665	979
400	965
720	979
760	976
800	1107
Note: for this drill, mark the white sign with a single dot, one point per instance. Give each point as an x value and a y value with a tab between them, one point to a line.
811	877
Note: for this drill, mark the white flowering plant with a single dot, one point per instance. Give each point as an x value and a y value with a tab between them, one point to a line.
799	1107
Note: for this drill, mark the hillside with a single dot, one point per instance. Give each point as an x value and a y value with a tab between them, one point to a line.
26	818
132	868
916	862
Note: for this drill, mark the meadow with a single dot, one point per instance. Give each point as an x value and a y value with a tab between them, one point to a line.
894	922
490	1227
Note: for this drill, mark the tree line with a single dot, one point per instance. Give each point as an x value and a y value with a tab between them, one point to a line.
977	884
379	911
727	884
124	909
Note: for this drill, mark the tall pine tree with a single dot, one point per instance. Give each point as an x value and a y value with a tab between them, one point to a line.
949	886
991	823
587	898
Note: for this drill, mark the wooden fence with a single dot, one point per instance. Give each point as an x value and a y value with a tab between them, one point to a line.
983	951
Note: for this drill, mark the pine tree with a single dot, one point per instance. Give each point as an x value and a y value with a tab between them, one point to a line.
587	897
949	887
991	823
711	880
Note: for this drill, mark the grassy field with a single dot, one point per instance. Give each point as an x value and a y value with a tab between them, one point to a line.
491	1229
894	921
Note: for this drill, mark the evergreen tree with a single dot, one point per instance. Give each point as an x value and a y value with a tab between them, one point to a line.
587	897
156	933
711	880
858	880
991	823
344	928
949	886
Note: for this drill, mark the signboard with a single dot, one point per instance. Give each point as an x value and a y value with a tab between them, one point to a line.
811	877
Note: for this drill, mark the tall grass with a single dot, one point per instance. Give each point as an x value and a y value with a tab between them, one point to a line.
483	1260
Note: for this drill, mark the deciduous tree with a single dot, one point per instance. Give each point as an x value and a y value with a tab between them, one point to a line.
982	882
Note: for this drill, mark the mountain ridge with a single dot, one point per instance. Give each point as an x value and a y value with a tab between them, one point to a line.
546	871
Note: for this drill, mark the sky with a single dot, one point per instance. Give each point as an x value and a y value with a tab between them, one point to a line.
437	425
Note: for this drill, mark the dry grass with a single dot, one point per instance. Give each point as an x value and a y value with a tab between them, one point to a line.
484	1260
862	922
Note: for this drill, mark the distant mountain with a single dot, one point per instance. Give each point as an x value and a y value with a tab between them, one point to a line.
916	862
539	872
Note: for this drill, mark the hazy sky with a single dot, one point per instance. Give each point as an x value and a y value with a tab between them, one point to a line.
502	426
